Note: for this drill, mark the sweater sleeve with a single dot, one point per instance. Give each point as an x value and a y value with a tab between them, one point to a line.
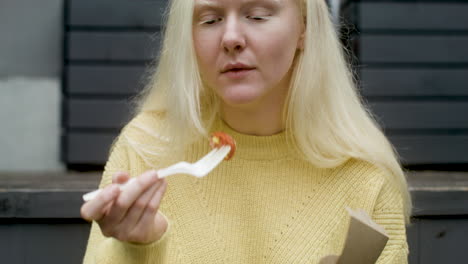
388	212
102	249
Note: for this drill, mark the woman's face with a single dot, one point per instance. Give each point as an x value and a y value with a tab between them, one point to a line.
246	48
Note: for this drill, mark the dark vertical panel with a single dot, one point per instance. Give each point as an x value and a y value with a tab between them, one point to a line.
443	241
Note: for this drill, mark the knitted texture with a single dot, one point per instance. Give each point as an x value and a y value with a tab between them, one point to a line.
266	205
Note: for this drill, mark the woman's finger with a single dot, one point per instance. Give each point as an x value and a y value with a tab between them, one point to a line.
157	197
129	195
136	210
152	208
120	177
95	209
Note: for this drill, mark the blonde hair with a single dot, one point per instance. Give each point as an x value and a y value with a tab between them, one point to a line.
322	91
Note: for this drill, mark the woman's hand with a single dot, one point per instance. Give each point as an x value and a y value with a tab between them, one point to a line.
130	215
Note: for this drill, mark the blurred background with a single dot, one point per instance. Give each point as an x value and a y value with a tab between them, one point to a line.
69	67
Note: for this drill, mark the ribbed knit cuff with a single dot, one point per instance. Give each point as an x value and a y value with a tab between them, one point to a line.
115	251
398	256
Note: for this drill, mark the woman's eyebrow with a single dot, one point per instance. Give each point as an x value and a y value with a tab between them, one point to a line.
214	3
278	2
206	3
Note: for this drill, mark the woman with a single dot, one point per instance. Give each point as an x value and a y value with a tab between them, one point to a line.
271	73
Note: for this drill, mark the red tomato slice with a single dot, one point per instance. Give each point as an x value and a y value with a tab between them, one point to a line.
219	139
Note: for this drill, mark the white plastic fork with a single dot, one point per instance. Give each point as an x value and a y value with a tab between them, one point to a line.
198	169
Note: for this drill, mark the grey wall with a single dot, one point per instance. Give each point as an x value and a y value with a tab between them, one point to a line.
30	69
31	38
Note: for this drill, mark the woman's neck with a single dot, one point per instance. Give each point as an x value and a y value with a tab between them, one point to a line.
259	121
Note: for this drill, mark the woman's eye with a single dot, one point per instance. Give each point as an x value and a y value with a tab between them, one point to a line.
211	21
256	17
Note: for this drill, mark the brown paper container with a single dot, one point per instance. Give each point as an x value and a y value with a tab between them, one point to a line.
364	243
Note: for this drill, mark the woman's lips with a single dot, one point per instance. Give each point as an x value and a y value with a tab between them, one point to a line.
238	73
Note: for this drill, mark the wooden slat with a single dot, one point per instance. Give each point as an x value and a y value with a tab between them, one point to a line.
440	202
431	149
107	114
421	115
93	113
438	193
413	15
414	82
109	79
111	46
92	148
38	203
116	13
413	49
48	181
88	148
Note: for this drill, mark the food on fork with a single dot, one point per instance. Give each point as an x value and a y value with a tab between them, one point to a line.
219	139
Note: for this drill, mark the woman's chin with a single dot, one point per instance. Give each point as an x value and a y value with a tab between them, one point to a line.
240	96
240	100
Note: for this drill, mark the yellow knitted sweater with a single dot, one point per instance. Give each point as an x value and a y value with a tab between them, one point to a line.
266	205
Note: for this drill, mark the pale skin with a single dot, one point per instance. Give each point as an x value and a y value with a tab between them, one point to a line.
130	215
262	35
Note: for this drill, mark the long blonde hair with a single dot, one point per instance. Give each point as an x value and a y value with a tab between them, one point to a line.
322	91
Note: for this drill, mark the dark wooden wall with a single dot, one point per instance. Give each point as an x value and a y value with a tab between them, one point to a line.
109	45
413	69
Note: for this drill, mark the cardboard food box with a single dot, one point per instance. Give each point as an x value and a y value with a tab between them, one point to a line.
364	243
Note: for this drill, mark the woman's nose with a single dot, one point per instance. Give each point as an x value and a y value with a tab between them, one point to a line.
233	39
